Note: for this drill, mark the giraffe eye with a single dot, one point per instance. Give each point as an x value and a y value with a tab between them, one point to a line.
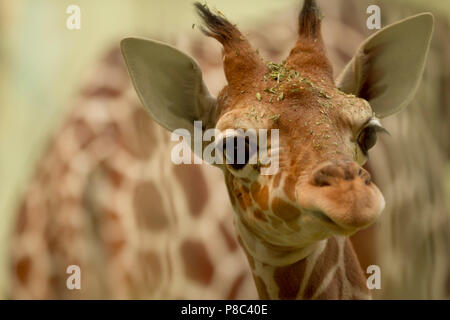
237	151
367	139
368	136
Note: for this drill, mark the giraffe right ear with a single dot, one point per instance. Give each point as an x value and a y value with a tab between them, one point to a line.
169	84
387	67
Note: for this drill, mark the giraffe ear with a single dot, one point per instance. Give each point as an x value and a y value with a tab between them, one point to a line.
387	67
169	84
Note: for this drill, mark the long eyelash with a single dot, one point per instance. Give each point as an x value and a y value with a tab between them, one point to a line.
375	123
381	130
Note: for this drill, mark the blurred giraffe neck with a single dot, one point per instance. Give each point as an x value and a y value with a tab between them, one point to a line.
328	269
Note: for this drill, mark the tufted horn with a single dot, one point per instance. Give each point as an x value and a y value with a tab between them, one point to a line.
241	61
309	50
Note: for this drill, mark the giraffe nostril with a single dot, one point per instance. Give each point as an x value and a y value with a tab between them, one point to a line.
365	176
321	181
321	178
348	174
331	174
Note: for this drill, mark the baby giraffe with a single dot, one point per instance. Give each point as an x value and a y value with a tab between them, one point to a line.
293	225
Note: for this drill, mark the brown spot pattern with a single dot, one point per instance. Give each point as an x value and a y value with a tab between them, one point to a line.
116	246
115	176
194	184
118	241
259	215
139	137
275	221
21	223
289	279
149	208
364	245
83	132
285	210
324	263
254	189
246	199
289	187
261	288
260	195
169	269
237	283
241	202
232	199
294	225
250	259
152	268
103	91
229	239
112	131
353	269
197	264
23	269
335	288
276	180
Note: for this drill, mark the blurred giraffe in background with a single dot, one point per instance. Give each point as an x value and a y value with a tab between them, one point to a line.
107	197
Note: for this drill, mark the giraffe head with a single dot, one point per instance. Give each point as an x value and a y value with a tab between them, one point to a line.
325	128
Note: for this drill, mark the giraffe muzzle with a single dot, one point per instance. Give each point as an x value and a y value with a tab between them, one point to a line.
342	191
332	173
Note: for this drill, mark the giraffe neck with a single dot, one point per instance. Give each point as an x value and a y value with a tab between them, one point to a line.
328	269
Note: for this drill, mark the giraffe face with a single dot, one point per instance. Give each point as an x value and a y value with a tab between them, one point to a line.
320	188
324	133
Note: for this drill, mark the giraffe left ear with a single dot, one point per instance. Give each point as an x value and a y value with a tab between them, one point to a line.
387	67
169	84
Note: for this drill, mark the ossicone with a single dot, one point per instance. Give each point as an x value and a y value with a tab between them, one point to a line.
241	62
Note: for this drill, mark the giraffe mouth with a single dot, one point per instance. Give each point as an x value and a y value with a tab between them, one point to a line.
323	217
320	215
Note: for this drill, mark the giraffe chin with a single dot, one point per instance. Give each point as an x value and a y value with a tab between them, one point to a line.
344	208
